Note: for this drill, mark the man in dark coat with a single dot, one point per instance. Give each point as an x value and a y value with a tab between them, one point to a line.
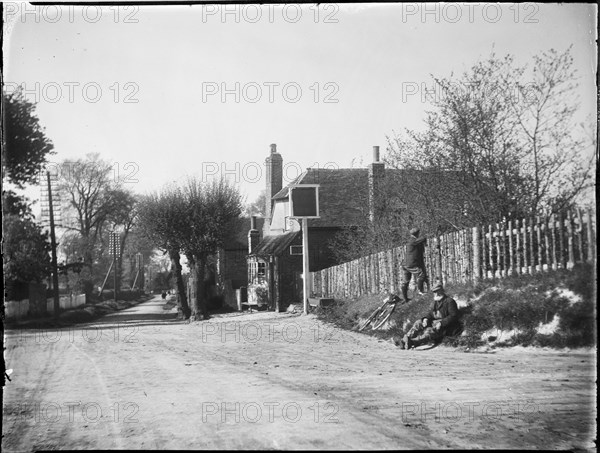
443	317
414	263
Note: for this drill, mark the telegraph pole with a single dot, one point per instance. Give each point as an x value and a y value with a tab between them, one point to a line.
114	246
53	244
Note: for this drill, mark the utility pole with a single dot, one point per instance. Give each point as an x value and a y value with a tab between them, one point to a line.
114	246
53	244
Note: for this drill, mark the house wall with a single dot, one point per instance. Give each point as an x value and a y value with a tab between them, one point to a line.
289	284
232	274
233	266
281	211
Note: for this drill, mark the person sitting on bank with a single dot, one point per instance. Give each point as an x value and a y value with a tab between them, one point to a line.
443	317
422	328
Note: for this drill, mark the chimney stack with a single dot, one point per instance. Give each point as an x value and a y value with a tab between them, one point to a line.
376	174
274	167
253	235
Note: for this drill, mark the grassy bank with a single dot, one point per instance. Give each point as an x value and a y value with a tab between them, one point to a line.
554	309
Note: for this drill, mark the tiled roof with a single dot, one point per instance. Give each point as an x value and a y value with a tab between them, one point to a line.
341	194
344	192
275	245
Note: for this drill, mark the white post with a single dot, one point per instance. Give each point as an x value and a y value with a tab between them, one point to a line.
305	275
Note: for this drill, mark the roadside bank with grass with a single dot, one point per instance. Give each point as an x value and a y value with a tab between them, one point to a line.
556	309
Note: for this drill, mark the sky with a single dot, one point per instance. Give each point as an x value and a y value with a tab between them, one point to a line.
166	92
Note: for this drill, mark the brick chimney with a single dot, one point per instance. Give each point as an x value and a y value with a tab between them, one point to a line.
376	174
253	235
274	166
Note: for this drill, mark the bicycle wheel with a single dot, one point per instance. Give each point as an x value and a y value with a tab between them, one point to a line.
383	316
364	324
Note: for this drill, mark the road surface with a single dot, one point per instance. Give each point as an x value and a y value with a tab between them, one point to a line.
139	378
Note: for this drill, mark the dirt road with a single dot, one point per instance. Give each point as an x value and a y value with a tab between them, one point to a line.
141	379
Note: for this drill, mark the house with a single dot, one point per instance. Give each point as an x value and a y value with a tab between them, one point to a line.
345	195
231	260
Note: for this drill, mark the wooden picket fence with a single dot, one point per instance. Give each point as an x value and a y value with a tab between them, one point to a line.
514	247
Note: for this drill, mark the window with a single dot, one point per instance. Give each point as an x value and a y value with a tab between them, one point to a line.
262	271
257	272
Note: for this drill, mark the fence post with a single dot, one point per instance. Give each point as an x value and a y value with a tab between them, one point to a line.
553	236
561	232
525	247
519	248
538	230
452	255
438	258
511	250
531	246
491	251
590	237
499	251
476	255
580	235
465	256
505	249
547	243
570	240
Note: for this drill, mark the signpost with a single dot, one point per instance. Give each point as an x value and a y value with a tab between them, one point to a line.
304	204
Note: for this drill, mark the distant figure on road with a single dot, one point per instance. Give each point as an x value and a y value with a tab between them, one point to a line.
414	263
443	317
164	295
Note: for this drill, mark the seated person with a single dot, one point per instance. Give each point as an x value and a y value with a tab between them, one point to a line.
443	317
420	329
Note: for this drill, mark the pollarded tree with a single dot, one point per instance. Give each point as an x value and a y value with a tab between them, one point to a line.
212	208
162	217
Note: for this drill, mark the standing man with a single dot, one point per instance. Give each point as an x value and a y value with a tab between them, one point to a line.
443	317
414	263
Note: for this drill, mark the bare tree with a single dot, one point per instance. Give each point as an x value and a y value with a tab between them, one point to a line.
212	209
163	218
92	196
556	147
507	133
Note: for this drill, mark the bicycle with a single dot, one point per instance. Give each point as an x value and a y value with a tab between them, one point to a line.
381	313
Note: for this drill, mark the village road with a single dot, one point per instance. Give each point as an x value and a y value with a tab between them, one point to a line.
139	378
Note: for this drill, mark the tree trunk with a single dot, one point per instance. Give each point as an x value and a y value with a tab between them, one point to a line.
182	302
199	310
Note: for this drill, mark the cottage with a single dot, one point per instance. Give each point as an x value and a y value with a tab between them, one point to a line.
275	262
